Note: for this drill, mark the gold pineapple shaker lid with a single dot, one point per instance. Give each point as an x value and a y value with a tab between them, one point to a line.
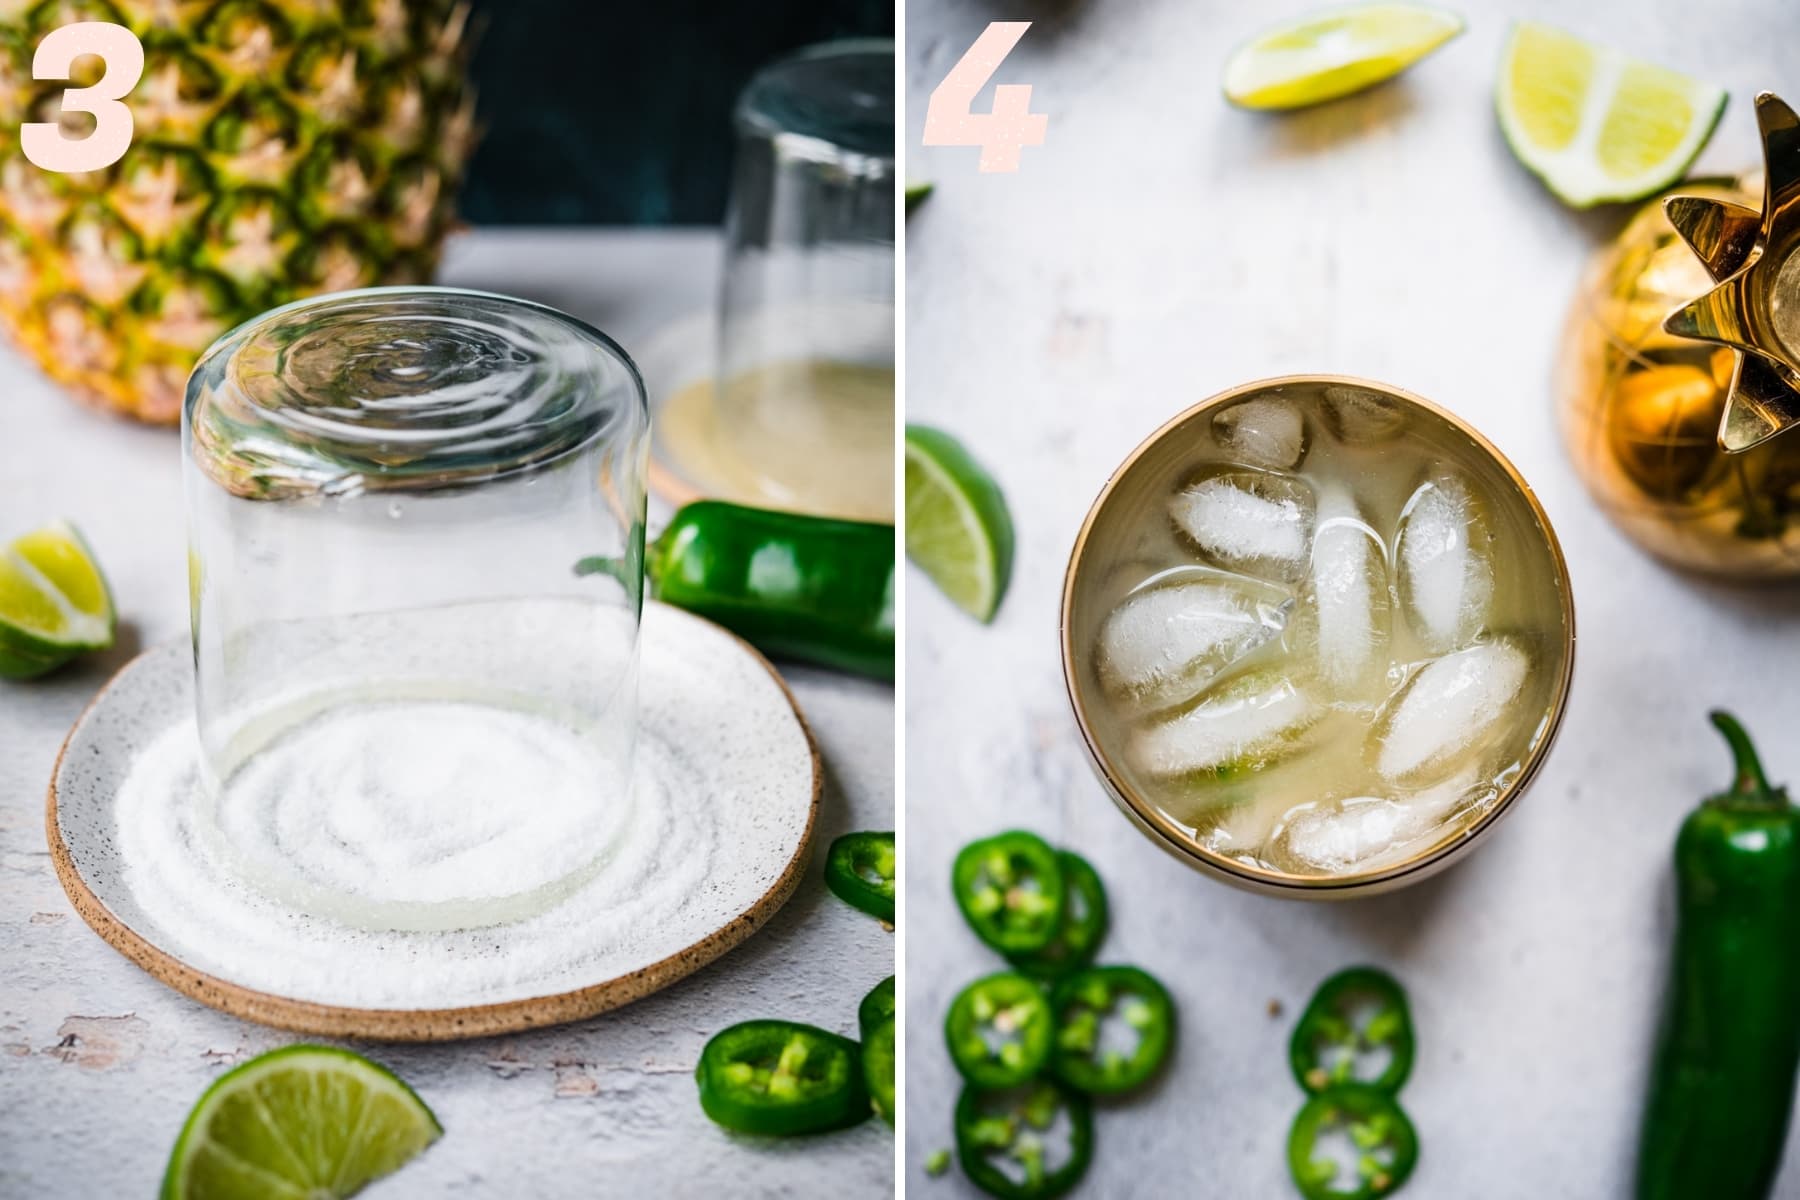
1755	310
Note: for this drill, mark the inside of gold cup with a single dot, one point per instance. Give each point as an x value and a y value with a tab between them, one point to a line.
1169	738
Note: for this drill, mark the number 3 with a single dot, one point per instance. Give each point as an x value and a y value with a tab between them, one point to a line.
44	142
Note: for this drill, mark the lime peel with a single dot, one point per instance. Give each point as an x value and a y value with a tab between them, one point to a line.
1594	124
1332	53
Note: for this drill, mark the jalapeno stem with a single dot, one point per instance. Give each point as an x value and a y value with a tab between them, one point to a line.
1750	784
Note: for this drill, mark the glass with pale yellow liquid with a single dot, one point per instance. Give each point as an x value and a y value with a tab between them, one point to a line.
801	414
1318	634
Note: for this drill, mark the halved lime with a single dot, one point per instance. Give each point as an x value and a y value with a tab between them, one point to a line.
54	603
300	1123
1328	54
957	527
1597	126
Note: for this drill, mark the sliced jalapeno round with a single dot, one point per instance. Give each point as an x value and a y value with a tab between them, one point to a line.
999	1030
1025	1143
1083	925
1010	890
780	1077
1084	1002
1356	1029
877	1006
860	869
1351	1142
878	1066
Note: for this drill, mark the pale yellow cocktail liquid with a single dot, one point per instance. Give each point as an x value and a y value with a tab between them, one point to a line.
804	434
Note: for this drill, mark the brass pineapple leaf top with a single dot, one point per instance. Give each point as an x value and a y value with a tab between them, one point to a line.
1755	309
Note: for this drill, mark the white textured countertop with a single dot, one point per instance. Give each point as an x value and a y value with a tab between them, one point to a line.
1162	246
99	1063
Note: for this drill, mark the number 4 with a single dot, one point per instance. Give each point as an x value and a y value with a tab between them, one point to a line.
1001	134
44	142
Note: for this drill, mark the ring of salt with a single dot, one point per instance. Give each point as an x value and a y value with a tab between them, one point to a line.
726	788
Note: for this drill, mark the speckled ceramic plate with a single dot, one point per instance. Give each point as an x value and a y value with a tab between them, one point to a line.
721	745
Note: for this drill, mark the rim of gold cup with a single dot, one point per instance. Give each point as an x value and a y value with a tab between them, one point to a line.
1155	824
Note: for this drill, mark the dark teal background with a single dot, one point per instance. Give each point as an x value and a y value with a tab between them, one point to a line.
610	113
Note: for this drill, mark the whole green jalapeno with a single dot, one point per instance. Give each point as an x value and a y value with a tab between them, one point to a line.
1722	1082
811	589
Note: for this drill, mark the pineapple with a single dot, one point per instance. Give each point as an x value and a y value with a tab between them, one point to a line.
281	148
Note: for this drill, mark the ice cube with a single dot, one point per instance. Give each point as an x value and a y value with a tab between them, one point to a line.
1248	520
1165	642
1349	594
1451	708
1243	725
1361	833
1356	416
1334	837
1445	572
1263	432
1231	826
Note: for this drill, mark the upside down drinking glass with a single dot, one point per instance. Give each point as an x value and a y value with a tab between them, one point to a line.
414	712
805	398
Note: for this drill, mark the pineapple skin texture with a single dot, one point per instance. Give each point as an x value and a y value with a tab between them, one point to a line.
281	149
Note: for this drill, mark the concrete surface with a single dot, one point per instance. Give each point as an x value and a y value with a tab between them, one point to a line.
1159	247
99	1063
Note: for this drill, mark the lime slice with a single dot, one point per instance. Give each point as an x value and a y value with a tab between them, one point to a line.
957	527
54	603
1597	126
1324	55
300	1123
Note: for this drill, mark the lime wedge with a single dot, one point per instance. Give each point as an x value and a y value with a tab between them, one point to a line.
300	1123
18	664
957	527
1324	55
1597	126
915	194
54	603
